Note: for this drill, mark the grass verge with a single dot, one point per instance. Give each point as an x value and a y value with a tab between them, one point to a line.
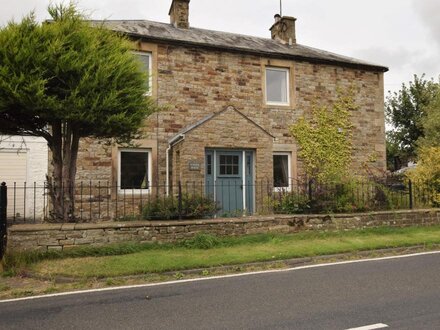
208	251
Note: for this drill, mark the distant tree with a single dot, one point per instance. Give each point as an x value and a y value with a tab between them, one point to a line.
66	80
395	158
405	111
431	124
427	172
426	175
325	139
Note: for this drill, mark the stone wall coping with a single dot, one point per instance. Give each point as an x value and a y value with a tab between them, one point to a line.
130	224
135	224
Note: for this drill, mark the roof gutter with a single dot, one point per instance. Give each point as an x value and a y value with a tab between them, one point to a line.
176	139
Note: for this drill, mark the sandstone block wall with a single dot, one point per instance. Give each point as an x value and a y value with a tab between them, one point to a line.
62	236
228	130
190	83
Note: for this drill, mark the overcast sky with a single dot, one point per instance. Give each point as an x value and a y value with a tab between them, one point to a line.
401	34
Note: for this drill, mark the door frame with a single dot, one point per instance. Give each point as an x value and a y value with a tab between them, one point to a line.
244	176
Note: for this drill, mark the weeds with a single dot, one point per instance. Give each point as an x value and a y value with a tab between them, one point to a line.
220	250
203	241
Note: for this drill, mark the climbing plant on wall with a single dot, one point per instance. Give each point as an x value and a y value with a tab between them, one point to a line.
325	139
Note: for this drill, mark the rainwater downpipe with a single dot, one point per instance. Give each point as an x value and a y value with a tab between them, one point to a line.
172	143
167	169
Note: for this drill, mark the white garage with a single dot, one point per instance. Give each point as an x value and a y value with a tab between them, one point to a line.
23	166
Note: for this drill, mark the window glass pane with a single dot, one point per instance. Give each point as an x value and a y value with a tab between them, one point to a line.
229	165
134	170
208	165
276	85
222	160
281	170
145	59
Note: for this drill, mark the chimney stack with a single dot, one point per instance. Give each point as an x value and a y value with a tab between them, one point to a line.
179	14
283	30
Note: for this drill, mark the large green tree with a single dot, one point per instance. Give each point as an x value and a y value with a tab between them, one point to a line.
427	173
64	80
405	111
431	124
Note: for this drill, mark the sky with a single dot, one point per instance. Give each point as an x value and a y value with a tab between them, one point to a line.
403	35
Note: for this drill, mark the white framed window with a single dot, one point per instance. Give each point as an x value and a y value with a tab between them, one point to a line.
282	167
134	170
146	59
277	86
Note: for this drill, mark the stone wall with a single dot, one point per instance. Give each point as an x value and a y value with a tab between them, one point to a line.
190	83
319	84
228	130
61	236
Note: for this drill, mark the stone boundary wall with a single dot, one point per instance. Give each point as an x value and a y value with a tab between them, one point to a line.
43	237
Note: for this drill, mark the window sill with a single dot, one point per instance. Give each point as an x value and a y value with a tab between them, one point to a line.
278	106
133	192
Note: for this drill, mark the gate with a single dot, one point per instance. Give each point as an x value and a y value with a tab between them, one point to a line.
3	220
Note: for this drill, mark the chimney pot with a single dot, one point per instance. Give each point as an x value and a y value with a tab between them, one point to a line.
179	14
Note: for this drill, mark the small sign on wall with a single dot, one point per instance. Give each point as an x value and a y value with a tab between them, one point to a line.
194	166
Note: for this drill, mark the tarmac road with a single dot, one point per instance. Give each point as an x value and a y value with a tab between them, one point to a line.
401	293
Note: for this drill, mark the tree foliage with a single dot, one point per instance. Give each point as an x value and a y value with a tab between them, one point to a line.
395	158
427	173
405	111
431	124
64	80
325	139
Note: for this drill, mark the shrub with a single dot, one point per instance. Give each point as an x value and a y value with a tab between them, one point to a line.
290	203
336	197
167	208
426	176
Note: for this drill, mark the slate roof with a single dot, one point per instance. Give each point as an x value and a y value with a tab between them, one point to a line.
157	31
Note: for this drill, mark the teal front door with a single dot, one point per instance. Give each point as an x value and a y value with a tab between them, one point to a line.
229	180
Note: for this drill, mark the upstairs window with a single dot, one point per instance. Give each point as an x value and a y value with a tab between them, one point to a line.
146	60
277	86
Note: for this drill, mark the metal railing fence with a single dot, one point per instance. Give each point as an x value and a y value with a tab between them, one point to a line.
105	201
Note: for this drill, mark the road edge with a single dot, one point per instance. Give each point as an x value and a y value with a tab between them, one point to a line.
207	278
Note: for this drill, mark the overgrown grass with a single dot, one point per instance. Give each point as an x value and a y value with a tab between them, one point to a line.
206	250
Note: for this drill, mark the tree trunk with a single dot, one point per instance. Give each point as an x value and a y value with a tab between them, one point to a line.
64	148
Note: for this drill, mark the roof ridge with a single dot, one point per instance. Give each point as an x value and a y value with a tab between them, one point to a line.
171	25
234	42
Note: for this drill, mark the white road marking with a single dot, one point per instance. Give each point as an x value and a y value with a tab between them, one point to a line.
218	277
371	327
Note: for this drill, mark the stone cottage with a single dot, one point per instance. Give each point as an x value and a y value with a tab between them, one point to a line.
227	102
